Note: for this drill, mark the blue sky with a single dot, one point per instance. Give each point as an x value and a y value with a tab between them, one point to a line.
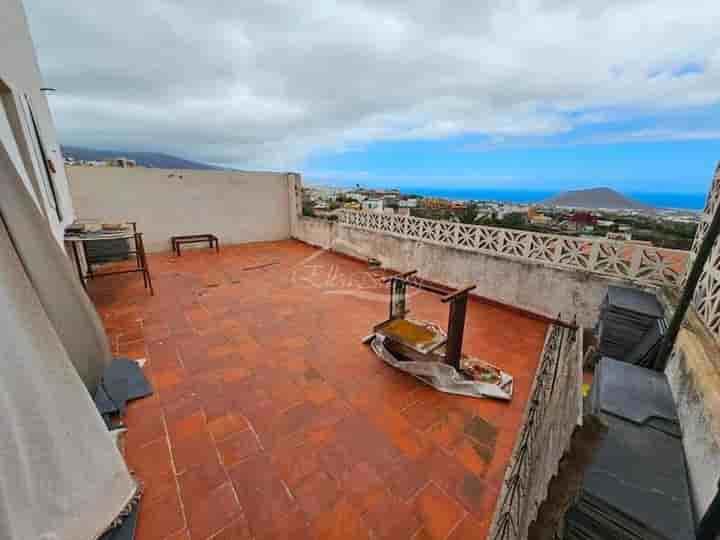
669	167
633	155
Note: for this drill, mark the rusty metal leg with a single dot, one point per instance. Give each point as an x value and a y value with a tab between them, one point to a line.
146	269
456	329
87	260
398	301
140	263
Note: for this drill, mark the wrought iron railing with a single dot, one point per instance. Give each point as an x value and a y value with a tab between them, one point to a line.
553	408
636	262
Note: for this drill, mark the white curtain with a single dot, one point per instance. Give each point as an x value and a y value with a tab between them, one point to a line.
58	288
61	476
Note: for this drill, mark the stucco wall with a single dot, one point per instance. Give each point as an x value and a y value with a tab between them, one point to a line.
236	206
20	83
537	288
694	376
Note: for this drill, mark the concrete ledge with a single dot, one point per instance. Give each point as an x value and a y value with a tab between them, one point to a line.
541	290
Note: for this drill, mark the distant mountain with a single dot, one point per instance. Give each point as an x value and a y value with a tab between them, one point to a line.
156	160
596	198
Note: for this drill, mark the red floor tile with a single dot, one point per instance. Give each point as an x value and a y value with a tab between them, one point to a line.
264	392
212	513
238	447
341	522
194	450
161	517
317	493
438	512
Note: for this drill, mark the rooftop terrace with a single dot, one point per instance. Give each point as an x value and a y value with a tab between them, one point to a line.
270	418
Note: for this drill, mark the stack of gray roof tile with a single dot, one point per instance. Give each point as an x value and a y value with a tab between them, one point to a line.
631	325
636	487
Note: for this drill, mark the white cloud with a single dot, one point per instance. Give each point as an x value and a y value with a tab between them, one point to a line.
265	83
619	137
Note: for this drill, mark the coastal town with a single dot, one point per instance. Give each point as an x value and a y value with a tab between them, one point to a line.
670	228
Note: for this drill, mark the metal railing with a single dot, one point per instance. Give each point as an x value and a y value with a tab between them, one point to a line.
553	409
639	263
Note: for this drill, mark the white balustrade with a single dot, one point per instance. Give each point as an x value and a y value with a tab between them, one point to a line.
707	294
636	262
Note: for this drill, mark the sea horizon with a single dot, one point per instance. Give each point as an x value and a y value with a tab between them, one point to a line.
675	201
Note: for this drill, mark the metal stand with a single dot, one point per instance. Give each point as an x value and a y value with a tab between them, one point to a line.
456	317
141	264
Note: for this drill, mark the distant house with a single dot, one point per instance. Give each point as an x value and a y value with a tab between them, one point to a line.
541	220
122	162
435	203
390	199
583	219
510	209
373	205
355	196
408	203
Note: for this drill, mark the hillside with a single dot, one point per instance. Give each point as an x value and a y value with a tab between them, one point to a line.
144	159
596	198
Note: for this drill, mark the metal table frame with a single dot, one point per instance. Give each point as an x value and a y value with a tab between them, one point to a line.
456	318
141	264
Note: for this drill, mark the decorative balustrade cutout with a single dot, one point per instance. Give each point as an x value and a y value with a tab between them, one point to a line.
636	262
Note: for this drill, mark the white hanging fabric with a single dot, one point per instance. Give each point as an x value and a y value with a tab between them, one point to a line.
61	475
57	286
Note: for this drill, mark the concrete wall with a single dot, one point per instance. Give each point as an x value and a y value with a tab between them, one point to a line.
694	376
534	287
20	83
236	206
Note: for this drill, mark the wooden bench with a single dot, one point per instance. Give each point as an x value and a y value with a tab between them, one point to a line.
177	241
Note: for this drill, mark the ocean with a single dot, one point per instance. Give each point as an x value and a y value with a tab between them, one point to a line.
680	201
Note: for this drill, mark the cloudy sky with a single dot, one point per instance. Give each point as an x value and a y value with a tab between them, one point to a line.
539	94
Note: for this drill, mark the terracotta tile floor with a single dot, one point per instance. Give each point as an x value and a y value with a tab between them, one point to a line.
271	420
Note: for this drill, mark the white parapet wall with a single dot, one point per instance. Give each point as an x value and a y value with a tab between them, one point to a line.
694	367
694	376
238	207
534	285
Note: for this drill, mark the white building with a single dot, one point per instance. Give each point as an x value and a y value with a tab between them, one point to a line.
373	205
359	197
510	209
408	203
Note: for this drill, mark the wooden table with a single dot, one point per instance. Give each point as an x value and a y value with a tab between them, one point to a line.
78	240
